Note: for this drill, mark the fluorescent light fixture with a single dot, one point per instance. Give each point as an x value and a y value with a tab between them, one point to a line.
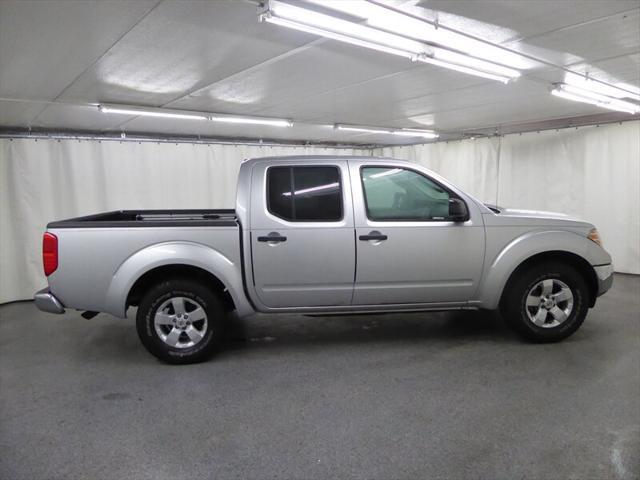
463	69
335	36
391	20
576	94
273	122
634	91
181	114
353	128
414	132
586	83
387	38
404	132
474	63
150	112
331	24
585	93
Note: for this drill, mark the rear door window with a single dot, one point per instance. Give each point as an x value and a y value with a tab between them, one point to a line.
305	194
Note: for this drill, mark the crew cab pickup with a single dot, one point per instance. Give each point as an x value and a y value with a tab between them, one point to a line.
324	235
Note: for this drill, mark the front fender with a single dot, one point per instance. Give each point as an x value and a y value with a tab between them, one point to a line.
175	253
525	246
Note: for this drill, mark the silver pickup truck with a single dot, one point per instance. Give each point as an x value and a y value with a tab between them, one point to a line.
324	235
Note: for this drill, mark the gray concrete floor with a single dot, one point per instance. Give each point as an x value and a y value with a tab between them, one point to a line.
451	395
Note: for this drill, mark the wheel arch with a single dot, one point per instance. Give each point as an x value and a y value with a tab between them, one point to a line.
182	259
560	256
535	246
182	271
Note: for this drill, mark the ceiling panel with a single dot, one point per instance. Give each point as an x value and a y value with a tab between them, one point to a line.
379	99
622	69
18	114
615	35
525	18
320	69
619	69
45	45
179	48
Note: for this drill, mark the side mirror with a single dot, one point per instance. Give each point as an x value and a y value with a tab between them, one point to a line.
458	210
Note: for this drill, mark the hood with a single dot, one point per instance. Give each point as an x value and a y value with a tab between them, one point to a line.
513	212
536	217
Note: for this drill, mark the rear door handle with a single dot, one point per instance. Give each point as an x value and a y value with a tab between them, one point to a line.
373	236
272	238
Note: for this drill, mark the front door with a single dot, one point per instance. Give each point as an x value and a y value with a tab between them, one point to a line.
303	245
408	249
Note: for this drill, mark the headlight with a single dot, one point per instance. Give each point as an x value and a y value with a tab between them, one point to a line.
594	236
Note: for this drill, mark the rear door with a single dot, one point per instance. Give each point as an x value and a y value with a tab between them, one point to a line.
302	234
408	249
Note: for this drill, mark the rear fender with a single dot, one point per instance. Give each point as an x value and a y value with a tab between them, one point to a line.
175	253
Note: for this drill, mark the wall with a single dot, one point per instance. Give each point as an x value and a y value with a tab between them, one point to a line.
590	172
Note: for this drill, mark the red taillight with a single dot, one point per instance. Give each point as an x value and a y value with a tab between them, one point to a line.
49	253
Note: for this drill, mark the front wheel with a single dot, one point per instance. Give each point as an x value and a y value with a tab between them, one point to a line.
180	321
547	302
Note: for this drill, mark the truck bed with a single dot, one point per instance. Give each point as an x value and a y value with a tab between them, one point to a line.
152	218
98	252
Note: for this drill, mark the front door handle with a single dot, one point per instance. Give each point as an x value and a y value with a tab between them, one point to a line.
272	238
373	236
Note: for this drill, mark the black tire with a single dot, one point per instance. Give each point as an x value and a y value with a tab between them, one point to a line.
194	294
515	310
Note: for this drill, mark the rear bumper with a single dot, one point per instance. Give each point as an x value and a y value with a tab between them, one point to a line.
47	302
605	277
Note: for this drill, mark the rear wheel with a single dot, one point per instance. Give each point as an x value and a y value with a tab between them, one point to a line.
547	302
180	321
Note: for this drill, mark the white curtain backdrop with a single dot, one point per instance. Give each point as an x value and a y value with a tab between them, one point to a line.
45	180
469	164
590	172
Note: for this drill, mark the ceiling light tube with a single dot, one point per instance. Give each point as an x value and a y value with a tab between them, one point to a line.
335	25
414	132
182	114
561	91
627	90
273	122
463	69
584	93
474	63
405	132
597	99
604	99
355	128
150	112
569	96
335	36
587	83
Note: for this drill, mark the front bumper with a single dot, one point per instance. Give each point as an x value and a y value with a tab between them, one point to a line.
47	302
605	277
